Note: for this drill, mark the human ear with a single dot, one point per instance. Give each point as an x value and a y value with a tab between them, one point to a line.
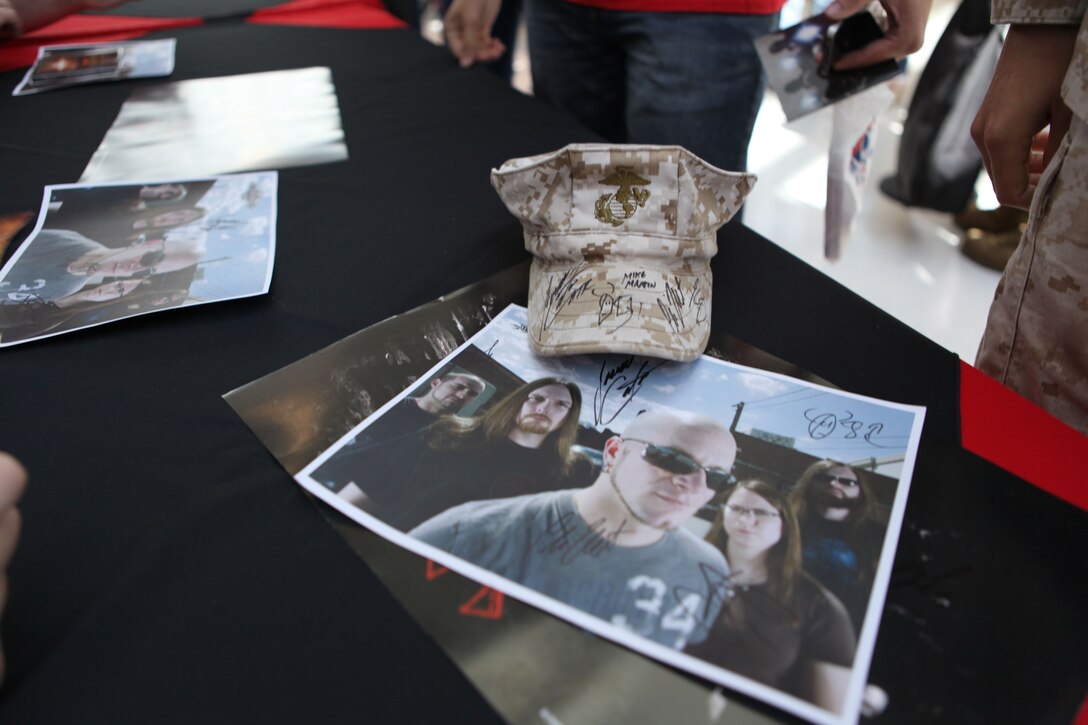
611	451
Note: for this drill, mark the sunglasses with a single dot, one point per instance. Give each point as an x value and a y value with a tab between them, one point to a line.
847	482
674	461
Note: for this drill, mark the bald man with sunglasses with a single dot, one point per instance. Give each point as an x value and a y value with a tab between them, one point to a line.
617	549
56	263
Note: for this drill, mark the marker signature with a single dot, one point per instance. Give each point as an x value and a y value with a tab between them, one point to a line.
823	424
562	538
563	289
622	379
683	308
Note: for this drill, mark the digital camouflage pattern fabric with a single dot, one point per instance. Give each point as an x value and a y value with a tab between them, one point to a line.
622	238
1036	338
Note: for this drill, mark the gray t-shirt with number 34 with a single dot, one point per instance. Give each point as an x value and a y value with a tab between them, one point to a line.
669	592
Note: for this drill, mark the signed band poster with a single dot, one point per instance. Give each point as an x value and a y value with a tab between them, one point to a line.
105	252
530	666
658	581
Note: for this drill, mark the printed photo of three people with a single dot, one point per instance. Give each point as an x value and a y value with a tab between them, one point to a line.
735	523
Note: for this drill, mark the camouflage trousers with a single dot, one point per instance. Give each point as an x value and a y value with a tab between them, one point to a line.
1036	338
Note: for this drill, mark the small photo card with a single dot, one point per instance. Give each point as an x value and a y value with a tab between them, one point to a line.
799	60
60	66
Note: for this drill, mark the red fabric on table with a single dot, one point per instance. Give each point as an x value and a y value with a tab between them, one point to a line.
1022	438
354	14
21	52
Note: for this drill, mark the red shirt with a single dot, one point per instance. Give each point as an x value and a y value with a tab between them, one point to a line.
746	7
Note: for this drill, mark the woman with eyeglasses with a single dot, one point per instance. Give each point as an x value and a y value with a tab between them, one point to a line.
778	625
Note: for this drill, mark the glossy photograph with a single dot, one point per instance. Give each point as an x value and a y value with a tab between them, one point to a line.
799	61
102	253
732	522
60	66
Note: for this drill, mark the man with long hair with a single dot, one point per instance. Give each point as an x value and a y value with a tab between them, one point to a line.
616	549
544	411
841	532
522	444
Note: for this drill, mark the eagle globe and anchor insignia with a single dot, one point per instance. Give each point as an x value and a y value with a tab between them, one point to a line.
621	205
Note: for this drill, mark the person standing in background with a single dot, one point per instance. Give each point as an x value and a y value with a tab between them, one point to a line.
1036	336
22	16
12	482
659	71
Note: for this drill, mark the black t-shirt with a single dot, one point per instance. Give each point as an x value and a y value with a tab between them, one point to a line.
408	481
403	419
443	479
765	640
401	426
843	559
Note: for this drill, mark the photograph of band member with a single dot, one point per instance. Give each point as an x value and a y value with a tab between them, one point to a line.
155	194
59	262
778	625
114	215
841	532
75	204
521	444
617	549
445	395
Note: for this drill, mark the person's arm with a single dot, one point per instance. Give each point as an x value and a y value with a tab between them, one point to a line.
828	646
827	685
12	483
1024	99
906	30
9	21
468	31
28	15
356	497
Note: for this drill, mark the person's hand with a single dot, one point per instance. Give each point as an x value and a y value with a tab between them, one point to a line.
468	31
12	483
33	14
906	30
1024	98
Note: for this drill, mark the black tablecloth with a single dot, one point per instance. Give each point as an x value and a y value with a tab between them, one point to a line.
210	9
170	571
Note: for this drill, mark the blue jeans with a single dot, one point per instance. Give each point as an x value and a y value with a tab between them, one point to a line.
690	79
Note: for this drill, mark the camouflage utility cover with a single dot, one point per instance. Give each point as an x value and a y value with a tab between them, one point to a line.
622	238
1055	12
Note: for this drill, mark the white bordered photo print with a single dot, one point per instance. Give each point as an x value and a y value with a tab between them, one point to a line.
731	522
106	252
